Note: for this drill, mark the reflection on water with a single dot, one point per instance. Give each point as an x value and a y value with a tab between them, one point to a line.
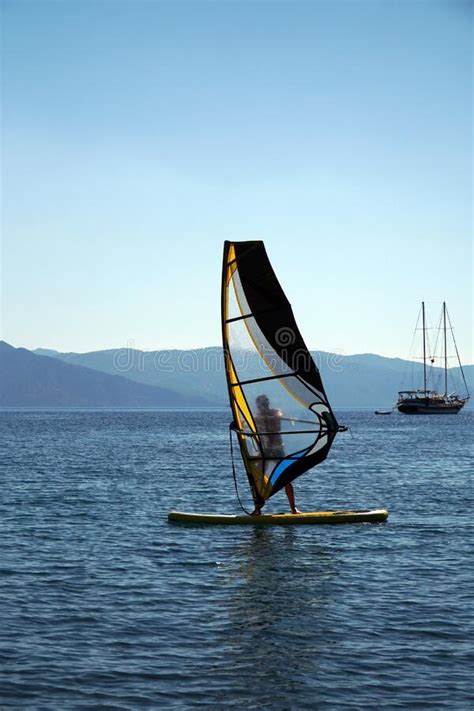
282	584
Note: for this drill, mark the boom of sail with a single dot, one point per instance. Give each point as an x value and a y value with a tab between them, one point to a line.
281	414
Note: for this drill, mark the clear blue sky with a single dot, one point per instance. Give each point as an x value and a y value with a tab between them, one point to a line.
139	135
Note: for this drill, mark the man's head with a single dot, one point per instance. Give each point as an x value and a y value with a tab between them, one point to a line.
263	403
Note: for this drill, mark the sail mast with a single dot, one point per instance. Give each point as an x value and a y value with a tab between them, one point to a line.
424	345
458	356
445	352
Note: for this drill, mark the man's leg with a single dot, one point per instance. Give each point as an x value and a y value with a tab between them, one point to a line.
290	492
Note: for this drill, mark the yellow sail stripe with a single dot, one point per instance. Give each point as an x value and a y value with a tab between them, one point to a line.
239	403
231	264
239	398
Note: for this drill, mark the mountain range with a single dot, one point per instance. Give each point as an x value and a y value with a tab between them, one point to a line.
191	378
31	380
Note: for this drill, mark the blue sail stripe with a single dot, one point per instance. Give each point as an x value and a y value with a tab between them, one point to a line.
280	468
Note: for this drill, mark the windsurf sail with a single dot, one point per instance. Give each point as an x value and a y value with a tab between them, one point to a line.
281	414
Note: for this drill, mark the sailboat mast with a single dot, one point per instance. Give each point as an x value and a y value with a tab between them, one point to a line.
445	352
424	344
458	357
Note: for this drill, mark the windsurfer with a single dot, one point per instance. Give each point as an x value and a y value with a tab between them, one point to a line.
268	421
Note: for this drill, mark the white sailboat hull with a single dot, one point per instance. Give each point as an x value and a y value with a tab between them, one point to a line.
429	407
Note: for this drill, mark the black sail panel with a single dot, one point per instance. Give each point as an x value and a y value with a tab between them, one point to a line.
282	416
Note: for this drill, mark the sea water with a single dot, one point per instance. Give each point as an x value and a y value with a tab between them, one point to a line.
106	605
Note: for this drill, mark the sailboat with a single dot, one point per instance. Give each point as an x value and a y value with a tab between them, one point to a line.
430	402
282	418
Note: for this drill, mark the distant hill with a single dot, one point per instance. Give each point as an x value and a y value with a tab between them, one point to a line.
31	380
365	380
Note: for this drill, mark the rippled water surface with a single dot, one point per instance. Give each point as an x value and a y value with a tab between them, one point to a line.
106	605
